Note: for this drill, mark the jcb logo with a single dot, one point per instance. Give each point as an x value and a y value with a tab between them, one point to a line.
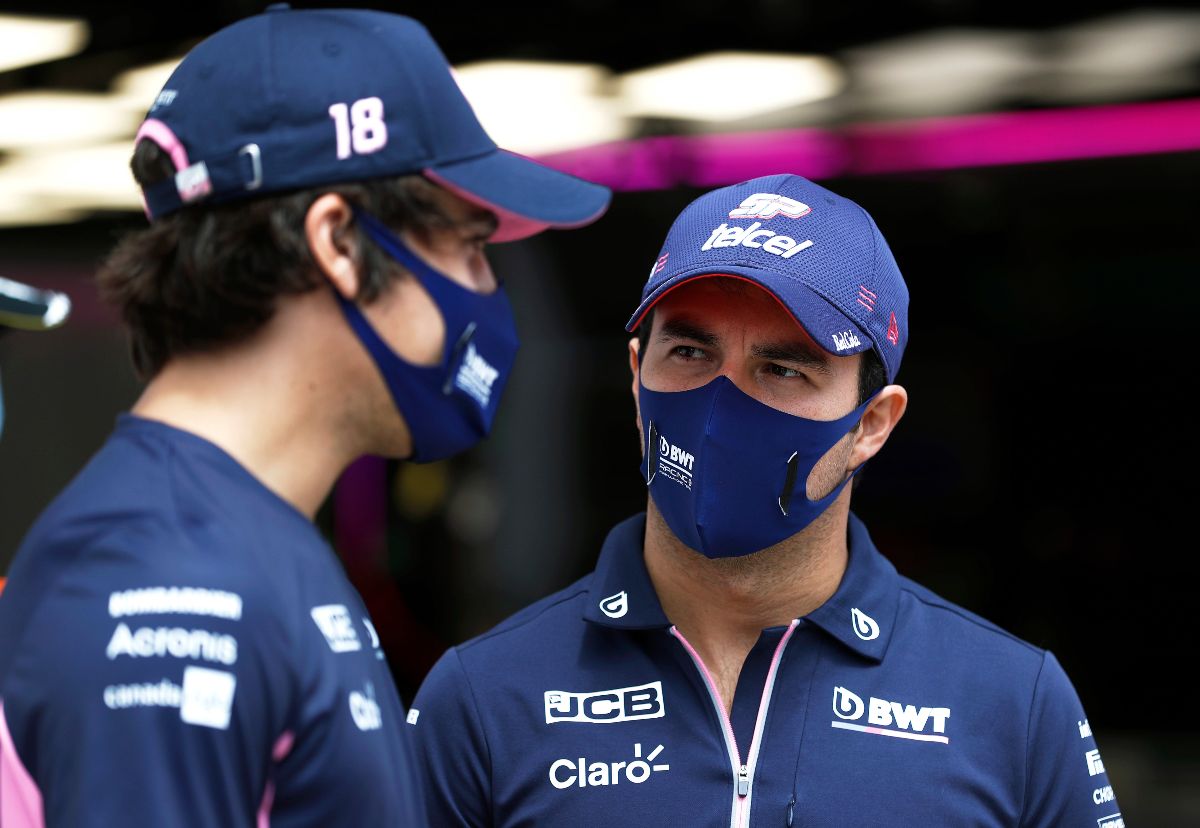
624	704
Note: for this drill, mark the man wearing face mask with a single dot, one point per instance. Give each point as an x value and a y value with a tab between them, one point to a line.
178	644
742	654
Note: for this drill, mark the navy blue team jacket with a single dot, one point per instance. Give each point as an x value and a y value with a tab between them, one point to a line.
886	706
179	647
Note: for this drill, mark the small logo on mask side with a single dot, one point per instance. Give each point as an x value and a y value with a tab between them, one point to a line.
476	376
864	625
615	606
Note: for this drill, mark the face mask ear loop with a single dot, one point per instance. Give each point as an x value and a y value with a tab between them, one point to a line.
651	441
785	497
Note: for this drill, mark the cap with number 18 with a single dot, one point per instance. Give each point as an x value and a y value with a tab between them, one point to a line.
293	99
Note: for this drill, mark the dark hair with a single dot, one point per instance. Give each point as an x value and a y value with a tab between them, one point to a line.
204	276
871	373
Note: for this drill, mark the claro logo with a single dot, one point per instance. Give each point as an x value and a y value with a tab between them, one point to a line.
889	718
567	773
624	704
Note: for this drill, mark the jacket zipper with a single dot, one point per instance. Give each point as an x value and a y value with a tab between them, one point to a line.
743	774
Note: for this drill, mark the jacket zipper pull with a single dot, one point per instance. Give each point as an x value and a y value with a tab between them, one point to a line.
743	781
791	810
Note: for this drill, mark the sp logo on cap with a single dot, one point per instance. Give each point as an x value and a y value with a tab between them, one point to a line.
770	205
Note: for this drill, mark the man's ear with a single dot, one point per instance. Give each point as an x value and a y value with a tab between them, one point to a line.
334	248
635	369
877	423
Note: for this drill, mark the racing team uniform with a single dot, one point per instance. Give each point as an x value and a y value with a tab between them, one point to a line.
180	647
886	706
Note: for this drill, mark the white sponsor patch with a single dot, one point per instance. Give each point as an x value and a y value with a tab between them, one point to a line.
175	601
889	718
624	704
1111	821
335	623
567	773
365	710
207	697
1102	795
1085	729
1095	764
412	716
177	642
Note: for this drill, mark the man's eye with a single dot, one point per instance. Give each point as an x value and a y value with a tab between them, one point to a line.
688	352
783	371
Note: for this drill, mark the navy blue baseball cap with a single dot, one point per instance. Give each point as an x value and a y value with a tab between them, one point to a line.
818	253
300	98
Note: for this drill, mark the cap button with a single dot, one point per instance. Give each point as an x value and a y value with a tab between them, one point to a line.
278	7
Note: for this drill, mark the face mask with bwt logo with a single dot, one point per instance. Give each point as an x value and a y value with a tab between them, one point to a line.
729	473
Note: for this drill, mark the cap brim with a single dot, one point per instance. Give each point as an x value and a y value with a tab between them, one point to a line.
828	326
27	308
527	197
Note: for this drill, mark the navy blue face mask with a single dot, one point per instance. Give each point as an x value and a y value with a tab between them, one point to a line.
448	407
729	473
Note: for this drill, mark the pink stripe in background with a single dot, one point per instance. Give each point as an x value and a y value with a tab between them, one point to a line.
903	146
20	799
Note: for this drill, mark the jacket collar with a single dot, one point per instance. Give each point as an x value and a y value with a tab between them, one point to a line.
861	614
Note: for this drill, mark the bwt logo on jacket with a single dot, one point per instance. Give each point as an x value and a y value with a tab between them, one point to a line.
904	721
624	704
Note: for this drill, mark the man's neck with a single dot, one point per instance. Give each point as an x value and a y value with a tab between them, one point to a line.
270	404
722	605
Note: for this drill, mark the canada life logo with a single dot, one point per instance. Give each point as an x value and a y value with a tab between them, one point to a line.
889	718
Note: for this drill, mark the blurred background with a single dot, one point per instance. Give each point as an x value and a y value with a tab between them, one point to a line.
1034	167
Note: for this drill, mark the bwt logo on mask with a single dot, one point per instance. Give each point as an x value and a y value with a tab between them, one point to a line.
889	718
476	376
624	704
675	463
675	454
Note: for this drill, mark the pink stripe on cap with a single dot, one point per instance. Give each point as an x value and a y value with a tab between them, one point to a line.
512	225
20	799
161	134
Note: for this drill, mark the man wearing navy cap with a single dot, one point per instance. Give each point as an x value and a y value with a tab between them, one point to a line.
742	654
178	645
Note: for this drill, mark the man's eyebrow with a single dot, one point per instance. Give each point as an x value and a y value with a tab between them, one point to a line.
798	352
682	329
